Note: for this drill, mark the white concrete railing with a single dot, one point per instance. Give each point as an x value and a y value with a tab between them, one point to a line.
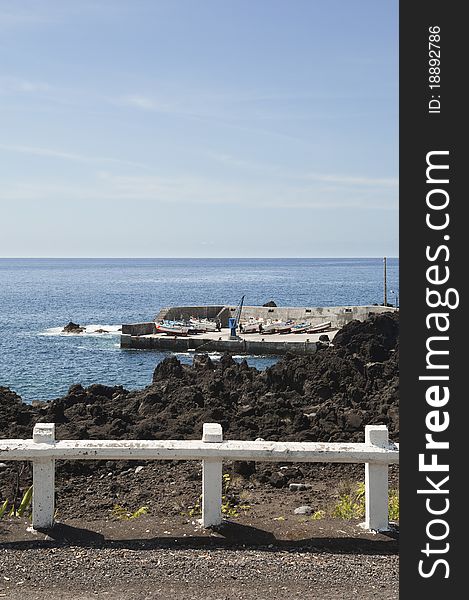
377	453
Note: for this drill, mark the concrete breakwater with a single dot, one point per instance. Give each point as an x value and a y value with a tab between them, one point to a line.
337	315
221	342
144	336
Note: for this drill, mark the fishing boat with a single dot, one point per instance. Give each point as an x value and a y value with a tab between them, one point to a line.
172	328
278	327
251	326
320	327
202	325
301	327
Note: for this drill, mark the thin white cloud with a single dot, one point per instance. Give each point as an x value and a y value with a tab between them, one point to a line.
10	85
38	151
227	107
287	190
52	153
354	181
279	170
136	101
147	103
193	191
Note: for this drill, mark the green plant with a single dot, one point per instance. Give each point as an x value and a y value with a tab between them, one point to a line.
143	510
230	502
226	481
25	501
318	514
394	505
123	514
3	508
196	509
351	504
22	508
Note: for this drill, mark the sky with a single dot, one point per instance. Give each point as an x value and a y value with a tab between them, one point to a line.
199	128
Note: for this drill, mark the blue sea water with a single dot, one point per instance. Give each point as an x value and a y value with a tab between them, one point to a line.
39	296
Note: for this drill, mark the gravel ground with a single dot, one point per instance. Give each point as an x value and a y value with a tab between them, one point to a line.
331	559
224	574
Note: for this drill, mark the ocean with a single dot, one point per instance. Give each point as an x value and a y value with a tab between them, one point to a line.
39	296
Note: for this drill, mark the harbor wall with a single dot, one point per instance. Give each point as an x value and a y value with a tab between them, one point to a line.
337	315
139	328
185	344
177	313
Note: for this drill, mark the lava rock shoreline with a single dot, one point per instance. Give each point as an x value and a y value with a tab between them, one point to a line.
328	396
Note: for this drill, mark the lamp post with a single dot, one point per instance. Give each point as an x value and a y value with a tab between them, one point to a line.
385	284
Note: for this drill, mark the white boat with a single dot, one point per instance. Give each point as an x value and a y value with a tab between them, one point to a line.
202	325
320	327
172	328
251	327
278	327
301	328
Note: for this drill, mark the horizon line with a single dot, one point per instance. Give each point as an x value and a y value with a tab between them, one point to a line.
183	257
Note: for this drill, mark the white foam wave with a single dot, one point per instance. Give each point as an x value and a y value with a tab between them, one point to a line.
190	354
90	331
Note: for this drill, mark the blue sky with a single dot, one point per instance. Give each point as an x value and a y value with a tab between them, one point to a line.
199	128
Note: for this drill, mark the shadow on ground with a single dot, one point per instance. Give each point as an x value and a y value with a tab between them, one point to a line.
229	535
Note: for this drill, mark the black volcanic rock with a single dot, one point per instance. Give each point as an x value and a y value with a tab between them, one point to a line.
328	396
372	339
73	328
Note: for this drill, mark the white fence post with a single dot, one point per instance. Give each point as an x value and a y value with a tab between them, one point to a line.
212	479
376	482
43	479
